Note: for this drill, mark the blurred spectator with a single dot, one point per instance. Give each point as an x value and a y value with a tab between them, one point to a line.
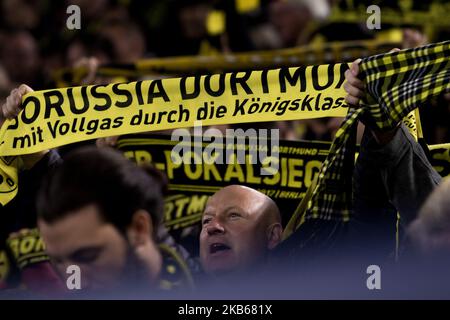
430	231
290	19
20	14
240	226
294	18
90	9
90	46
21	58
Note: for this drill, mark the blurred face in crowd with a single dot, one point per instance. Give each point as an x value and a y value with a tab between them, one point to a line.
193	20
90	8
105	256
21	57
239	226
5	84
289	19
127	40
429	233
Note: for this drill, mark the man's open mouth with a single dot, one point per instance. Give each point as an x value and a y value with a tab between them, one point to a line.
218	247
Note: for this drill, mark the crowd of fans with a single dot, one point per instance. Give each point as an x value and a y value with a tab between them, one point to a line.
116	232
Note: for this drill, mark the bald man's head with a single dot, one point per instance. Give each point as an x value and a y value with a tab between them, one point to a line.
239	226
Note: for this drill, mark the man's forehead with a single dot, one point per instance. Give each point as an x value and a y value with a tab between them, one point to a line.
241	199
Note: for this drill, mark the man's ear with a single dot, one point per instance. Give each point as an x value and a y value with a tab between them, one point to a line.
140	230
274	235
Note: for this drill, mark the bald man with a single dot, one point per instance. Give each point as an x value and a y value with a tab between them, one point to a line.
239	228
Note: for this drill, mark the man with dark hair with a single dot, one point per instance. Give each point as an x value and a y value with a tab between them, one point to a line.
101	212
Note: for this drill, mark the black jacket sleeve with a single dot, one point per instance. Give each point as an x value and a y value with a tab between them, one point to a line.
396	177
